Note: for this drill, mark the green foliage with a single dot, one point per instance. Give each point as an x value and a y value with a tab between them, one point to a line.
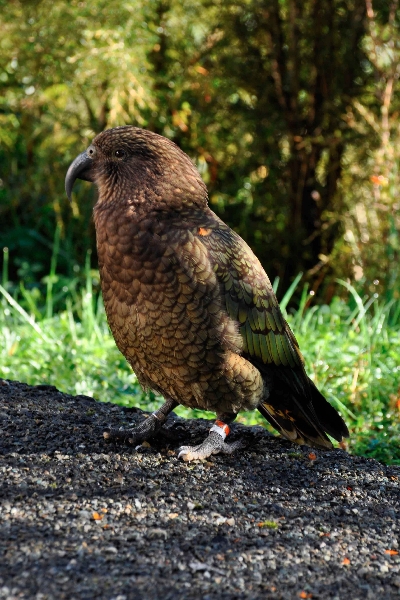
371	174
352	351
287	108
68	70
291	68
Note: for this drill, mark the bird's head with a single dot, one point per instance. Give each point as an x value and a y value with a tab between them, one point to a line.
137	166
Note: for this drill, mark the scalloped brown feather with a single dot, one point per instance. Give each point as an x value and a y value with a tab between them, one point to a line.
187	301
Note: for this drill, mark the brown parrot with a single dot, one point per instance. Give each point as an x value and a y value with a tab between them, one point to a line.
188	303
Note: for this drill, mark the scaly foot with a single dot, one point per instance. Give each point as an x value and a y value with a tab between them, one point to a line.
213	444
145	430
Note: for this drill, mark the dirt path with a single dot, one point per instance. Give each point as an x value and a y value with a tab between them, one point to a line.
81	519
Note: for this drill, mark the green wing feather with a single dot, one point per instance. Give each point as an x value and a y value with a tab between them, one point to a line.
250	299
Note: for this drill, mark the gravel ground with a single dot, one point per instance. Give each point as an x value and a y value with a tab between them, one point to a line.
81	519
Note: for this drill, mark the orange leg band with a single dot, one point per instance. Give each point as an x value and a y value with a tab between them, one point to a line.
221	428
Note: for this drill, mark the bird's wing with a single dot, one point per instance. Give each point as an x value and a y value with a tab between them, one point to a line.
250	300
268	341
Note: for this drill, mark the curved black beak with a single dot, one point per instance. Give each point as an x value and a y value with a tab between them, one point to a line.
79	169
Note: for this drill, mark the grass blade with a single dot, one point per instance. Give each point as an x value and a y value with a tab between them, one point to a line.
4	277
286	298
52	277
24	314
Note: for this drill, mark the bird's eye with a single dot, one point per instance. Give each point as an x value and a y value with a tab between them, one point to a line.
119	153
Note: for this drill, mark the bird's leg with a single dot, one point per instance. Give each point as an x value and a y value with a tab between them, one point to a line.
214	443
145	430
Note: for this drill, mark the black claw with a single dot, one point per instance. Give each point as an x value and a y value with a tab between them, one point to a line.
116	435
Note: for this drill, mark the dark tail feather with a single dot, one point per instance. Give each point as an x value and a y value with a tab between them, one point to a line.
301	413
294	425
328	417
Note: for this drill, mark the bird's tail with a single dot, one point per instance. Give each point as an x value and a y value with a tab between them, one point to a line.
303	416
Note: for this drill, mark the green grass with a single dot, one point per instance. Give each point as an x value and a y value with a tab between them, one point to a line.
56	333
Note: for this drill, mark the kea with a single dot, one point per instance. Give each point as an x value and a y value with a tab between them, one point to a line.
188	303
